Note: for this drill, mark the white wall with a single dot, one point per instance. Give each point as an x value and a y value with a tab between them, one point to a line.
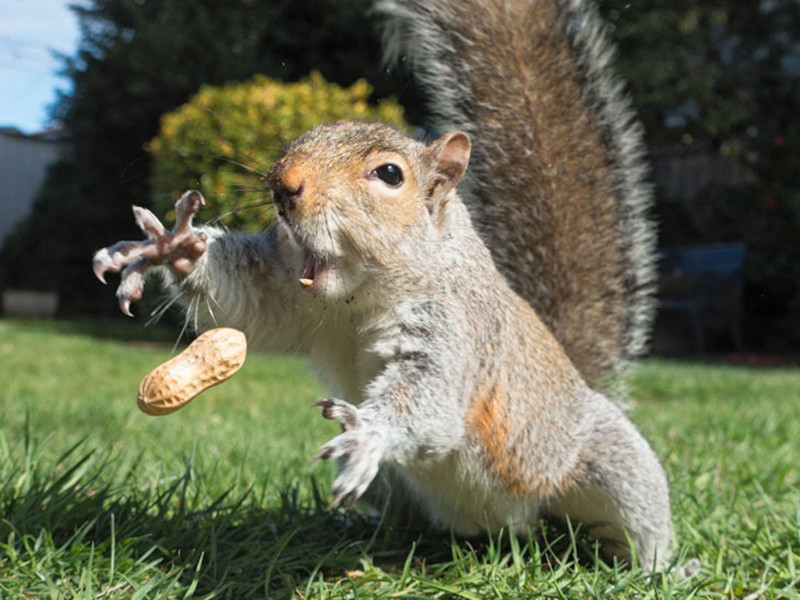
23	166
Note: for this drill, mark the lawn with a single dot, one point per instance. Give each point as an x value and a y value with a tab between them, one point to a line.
220	500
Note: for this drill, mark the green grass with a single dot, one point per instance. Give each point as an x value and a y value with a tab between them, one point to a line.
220	500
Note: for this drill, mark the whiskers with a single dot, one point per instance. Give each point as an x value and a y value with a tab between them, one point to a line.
216	220
260	172
257	188
159	311
355	249
192	319
191	316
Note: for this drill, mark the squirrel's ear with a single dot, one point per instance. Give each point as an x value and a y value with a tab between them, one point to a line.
448	157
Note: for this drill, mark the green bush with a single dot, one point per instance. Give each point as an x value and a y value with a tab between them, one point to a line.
224	139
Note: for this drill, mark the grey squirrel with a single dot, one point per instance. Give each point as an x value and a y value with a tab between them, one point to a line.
465	334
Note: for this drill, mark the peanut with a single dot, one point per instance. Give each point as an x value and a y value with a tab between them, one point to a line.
209	360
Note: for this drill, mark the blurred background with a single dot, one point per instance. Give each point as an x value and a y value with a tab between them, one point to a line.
146	98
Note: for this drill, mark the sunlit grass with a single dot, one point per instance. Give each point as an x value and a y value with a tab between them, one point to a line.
220	500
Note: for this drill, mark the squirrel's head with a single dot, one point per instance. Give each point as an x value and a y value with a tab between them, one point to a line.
356	199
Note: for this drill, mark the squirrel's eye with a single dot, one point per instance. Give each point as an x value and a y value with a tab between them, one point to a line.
390	174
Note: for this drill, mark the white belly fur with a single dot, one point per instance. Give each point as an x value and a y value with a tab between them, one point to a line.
458	494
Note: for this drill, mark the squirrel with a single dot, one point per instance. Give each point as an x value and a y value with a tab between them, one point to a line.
467	334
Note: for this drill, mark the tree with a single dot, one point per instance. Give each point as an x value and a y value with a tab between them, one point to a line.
724	77
717	72
224	139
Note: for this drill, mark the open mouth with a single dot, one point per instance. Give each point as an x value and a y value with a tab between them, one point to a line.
313	271
314	267
315	274
320	273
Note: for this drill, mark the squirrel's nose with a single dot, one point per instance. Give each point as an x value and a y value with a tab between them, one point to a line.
286	197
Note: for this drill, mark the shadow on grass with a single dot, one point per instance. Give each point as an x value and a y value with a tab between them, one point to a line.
229	546
120	329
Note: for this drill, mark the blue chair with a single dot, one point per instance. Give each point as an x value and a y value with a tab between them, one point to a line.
707	283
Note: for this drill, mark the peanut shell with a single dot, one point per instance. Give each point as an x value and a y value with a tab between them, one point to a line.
209	360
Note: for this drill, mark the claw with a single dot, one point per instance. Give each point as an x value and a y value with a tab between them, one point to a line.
186	207
148	222
131	284
339	410
337	447
133	259
360	447
343	499
99	264
323	454
125	307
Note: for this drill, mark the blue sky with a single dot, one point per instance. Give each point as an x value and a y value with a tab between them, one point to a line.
29	30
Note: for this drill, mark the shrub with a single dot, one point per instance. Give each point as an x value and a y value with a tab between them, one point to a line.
224	139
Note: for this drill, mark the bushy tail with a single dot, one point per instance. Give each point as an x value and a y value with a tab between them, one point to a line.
556	180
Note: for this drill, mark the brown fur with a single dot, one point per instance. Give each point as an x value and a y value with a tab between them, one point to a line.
576	260
507	452
488	421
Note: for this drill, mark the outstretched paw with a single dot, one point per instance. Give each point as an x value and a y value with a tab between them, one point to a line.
361	447
180	248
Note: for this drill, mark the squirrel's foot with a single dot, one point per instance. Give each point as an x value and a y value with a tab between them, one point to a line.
180	248
689	569
361	447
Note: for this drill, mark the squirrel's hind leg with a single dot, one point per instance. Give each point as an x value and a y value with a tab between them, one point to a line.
620	493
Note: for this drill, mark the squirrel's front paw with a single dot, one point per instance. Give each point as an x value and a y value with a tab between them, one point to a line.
361	446
180	248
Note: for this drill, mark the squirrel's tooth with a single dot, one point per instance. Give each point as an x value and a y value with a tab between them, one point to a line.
306	282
